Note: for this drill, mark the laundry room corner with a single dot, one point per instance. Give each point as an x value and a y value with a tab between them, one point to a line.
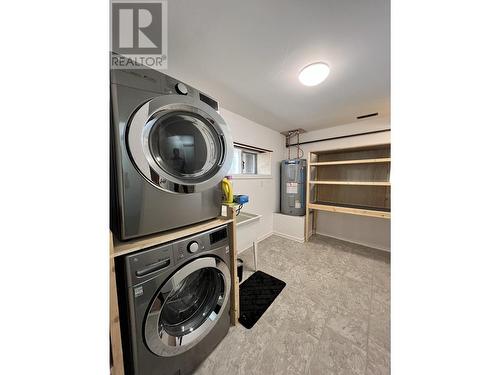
263	191
367	231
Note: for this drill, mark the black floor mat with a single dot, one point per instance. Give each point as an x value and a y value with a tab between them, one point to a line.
256	295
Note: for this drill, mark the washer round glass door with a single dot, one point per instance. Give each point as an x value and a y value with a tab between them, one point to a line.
179	144
187	306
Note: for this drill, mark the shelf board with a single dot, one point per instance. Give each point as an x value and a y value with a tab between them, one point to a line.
351	209
126	247
357	161
365	183
377	146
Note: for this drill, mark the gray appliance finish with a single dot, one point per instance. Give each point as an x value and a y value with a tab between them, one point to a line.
177	303
293	187
170	149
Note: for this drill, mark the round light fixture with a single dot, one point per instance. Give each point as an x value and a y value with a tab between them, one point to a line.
314	74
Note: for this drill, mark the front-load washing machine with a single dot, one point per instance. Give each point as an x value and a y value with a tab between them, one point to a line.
170	149
175	303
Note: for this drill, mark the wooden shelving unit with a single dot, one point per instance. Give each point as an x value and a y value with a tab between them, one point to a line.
119	248
353	181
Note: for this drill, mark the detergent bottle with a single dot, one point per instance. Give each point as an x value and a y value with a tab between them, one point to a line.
227	188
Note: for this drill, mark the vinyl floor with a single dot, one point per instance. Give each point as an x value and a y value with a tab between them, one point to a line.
333	317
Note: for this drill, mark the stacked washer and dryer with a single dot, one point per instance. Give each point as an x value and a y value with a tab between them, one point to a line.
170	149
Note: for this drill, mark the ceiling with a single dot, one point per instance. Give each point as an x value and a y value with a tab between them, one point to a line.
248	55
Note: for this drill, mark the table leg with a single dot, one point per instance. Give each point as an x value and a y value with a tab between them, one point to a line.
255	249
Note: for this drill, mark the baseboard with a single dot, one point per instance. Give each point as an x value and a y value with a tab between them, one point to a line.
356	242
287	236
262	238
301	240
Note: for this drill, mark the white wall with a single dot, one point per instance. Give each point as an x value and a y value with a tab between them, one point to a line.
360	126
373	232
369	231
263	192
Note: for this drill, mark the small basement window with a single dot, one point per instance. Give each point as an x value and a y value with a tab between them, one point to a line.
249	161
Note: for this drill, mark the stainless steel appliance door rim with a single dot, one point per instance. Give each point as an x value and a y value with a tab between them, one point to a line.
164	344
140	127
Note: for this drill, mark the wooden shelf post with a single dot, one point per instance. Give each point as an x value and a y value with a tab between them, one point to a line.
308	188
235	285
114	317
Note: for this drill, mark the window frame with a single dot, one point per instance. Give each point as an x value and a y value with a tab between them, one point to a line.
263	162
254	156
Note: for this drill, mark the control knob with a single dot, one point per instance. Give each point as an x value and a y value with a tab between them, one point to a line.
181	88
193	247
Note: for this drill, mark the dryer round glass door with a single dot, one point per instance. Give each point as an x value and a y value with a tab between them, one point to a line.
184	145
187	306
179	144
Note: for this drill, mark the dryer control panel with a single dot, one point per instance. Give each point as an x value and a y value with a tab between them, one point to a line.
152	80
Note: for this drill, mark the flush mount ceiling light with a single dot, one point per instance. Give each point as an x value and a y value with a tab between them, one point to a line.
314	74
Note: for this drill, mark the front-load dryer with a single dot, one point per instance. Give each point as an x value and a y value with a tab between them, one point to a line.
170	149
175	303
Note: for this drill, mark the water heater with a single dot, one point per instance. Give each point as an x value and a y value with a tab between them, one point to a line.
293	187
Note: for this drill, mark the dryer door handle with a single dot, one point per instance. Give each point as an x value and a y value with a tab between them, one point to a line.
223	153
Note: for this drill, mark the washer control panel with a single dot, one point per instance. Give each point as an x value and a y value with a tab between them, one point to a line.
143	265
191	246
146	264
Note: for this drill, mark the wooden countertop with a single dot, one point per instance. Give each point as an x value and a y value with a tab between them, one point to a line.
125	247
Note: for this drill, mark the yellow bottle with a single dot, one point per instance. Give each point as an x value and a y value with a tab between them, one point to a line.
227	188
